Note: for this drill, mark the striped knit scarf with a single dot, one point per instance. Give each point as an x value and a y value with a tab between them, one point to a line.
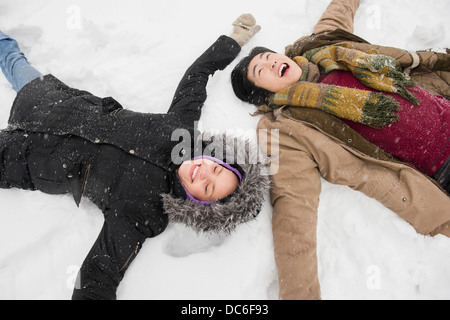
375	71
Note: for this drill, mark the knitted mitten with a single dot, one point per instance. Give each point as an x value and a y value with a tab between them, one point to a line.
245	27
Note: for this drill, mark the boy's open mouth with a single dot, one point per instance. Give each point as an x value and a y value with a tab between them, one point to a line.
283	69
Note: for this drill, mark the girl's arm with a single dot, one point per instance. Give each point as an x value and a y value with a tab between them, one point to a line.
128	223
191	92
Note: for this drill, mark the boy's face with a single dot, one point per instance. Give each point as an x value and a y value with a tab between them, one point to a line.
273	72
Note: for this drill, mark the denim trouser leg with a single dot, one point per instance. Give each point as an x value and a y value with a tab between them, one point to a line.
14	65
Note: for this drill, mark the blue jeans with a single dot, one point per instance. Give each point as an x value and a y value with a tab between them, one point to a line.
14	65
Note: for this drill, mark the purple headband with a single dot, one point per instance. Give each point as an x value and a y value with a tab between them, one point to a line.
220	162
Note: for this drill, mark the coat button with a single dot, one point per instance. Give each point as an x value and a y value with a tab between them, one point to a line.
132	151
70	176
97	140
404	199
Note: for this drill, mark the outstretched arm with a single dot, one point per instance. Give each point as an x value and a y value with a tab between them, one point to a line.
127	225
340	14
294	195
191	92
104	267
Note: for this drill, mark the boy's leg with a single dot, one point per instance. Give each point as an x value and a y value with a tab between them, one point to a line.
14	65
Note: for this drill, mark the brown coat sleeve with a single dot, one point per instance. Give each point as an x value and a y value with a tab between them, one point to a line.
294	226
340	14
295	198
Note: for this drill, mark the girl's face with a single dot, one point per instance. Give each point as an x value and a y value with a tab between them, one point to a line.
207	180
273	72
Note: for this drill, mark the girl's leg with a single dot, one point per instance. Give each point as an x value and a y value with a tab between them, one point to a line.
14	171
14	65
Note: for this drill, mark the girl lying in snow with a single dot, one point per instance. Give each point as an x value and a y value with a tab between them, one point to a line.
63	140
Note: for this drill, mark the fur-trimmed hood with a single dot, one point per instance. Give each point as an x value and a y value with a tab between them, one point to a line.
243	205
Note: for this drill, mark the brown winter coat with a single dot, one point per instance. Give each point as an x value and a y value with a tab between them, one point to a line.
313	144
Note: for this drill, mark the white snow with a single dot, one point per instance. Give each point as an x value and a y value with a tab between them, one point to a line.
137	52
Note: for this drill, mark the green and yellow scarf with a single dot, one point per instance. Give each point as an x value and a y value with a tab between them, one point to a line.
375	71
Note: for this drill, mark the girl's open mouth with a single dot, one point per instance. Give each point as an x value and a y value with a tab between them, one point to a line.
194	171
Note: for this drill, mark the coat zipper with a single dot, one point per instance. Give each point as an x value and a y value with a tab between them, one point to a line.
85	179
127	262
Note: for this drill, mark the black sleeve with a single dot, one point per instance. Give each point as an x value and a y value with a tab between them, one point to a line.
117	245
191	92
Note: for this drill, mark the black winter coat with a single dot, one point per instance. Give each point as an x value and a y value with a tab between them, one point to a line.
63	140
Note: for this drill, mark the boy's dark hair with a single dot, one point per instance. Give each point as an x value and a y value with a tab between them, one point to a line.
244	89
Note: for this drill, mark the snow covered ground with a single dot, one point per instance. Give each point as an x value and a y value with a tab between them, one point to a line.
137	51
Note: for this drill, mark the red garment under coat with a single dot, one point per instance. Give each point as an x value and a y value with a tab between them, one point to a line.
421	136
